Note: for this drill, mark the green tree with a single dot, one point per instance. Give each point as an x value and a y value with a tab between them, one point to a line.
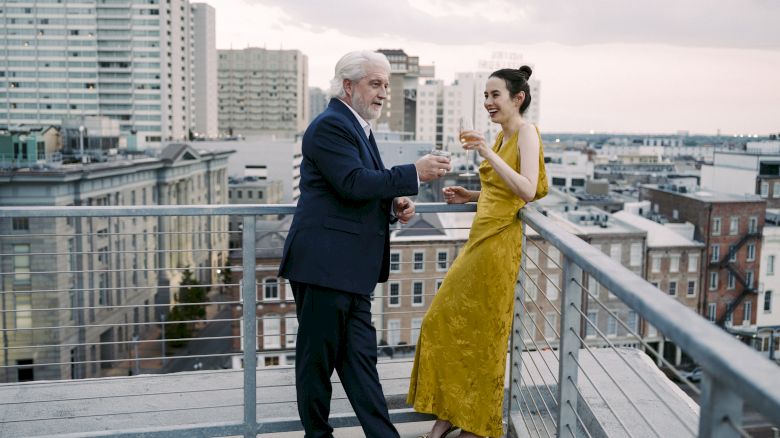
190	307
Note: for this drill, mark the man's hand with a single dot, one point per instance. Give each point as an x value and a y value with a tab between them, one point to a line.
403	208
431	167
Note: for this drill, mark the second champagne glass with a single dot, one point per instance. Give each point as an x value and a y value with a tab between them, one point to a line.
464	126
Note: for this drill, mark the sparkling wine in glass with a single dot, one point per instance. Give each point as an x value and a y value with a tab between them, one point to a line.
464	126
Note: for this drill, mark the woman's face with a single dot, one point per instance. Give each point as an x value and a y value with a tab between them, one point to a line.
498	103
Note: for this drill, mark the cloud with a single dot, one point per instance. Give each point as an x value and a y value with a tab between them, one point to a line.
743	24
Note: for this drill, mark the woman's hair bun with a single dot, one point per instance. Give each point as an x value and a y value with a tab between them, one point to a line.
525	71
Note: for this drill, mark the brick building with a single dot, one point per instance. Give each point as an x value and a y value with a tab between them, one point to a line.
730	227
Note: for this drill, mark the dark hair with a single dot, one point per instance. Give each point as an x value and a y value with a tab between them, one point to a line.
516	80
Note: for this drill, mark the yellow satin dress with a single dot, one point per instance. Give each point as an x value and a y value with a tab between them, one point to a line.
460	361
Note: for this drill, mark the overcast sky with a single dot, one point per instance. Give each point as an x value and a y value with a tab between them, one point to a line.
606	65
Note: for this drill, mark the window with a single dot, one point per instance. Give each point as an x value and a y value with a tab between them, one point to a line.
732	253
395	261
734	225
611	326
716	226
271	361
749	279
776	189
616	252
441	260
713	280
271	289
529	329
531	288
590	331
21	224
715	253
394	295
418	298
712	311
271	332
419	261
770	265
764	189
553	257
673	288
732	281
290	329
636	254
633	321
23	307
656	264
753	223
751	252
693	262
674	263
691	288
552	285
768	301
21	264
415	334
393	332
550	324
747	312
439	281
532	252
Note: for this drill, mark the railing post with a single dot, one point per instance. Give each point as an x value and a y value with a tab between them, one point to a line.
249	298
569	348
717	405
516	342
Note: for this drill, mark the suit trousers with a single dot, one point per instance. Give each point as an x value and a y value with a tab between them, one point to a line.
335	332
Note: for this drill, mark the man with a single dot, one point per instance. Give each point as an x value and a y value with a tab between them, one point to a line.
338	246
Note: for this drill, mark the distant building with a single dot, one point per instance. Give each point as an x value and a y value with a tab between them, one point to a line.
753	171
318	101
567	170
263	92
400	110
768	310
250	190
130	62
205	68
105	279
23	147
730	228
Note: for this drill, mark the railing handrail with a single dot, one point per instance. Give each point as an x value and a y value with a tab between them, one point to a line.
190	210
742	369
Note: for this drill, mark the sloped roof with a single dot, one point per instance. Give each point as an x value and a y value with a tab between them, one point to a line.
178	151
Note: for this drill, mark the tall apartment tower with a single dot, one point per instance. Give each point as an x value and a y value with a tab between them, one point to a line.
128	60
730	227
205	66
263	92
400	112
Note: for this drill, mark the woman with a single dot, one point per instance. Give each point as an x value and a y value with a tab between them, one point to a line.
459	365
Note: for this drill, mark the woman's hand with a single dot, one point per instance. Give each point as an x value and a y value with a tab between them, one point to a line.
456	195
475	141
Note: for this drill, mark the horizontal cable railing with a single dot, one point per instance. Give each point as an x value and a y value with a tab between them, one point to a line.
581	361
579	316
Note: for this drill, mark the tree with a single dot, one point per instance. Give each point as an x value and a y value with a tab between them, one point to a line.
189	308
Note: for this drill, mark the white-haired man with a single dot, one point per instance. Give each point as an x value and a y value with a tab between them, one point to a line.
338	247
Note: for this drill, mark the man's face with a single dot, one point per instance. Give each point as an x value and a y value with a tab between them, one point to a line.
368	94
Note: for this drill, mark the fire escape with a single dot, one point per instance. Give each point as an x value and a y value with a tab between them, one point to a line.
732	267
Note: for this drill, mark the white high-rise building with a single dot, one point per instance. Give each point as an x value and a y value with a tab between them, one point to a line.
263	92
205	70
128	60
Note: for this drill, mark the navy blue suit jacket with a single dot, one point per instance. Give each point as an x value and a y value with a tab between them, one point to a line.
339	237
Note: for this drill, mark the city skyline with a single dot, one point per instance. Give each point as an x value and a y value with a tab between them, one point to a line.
661	68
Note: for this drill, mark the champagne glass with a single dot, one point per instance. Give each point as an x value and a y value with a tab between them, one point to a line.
466	125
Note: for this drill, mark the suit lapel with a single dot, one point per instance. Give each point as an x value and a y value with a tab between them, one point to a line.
369	144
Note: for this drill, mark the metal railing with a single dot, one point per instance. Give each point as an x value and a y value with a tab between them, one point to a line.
572	376
563	342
